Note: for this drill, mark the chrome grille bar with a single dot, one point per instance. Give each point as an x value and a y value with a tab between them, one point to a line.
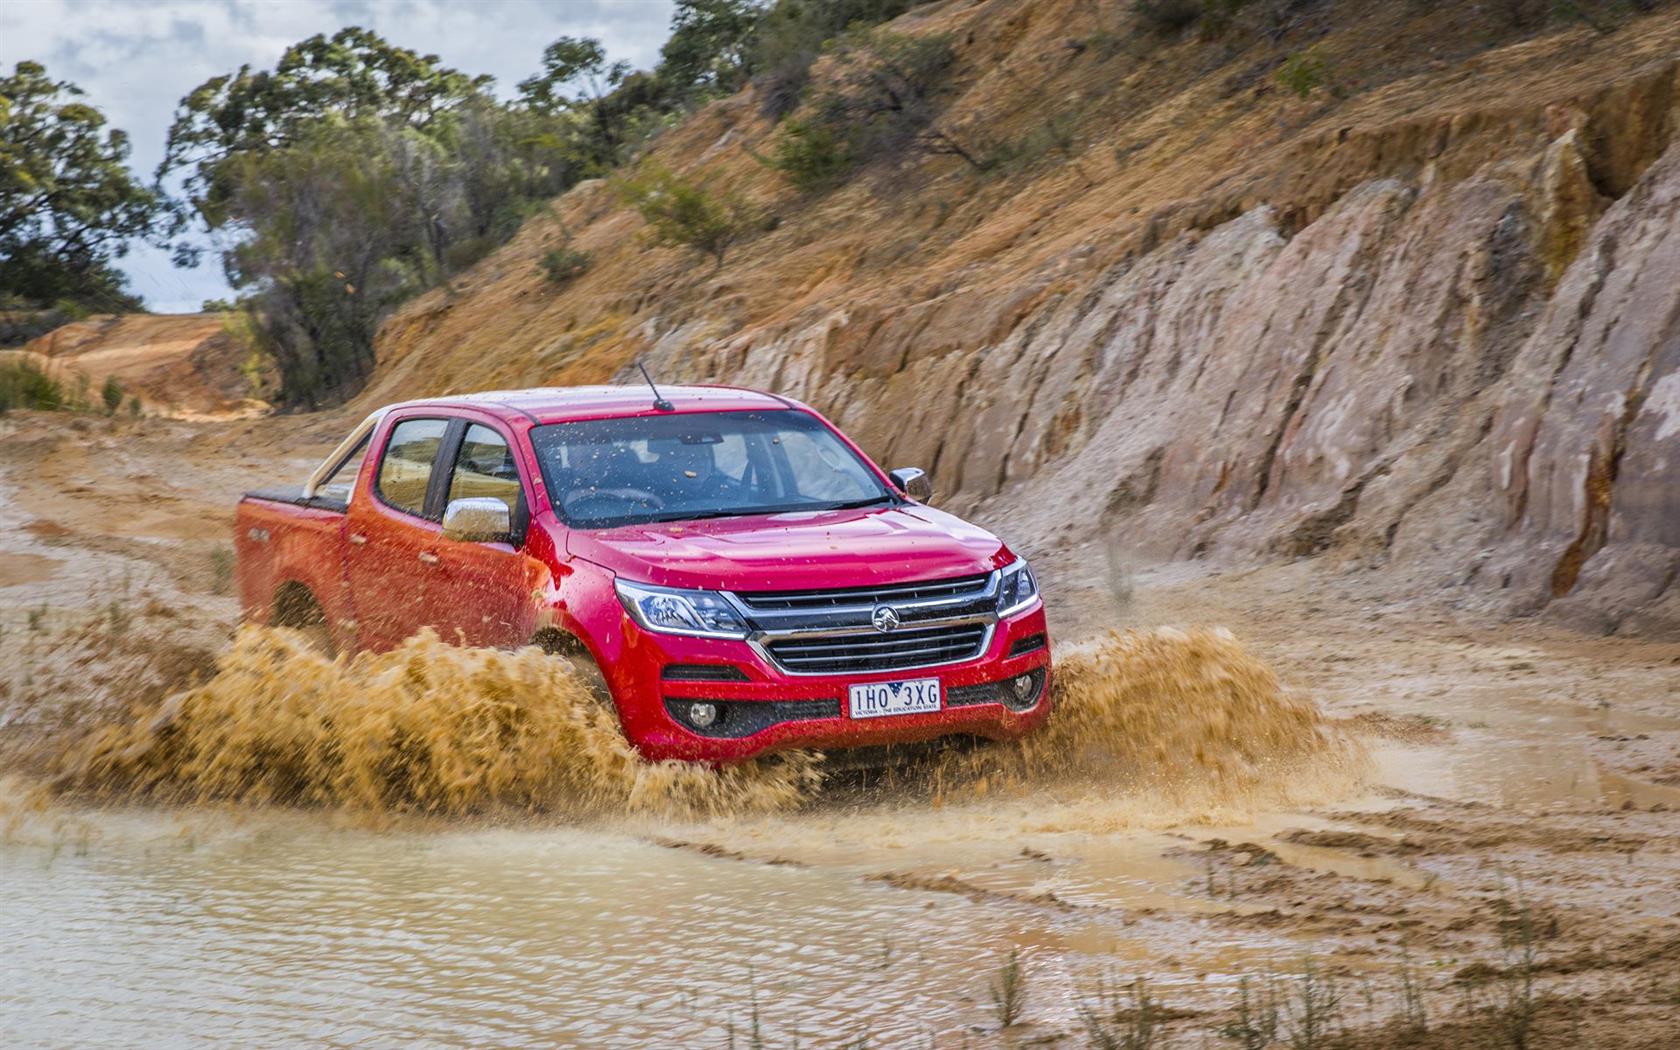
829	632
863	597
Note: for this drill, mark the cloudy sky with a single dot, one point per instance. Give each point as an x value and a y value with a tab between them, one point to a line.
136	58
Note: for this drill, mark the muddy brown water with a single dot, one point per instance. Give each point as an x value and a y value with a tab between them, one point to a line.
873	911
153	928
284	933
669	902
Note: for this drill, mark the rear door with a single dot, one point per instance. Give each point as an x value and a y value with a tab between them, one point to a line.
391	539
480	593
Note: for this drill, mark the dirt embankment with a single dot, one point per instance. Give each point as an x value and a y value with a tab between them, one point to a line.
1426	316
187	366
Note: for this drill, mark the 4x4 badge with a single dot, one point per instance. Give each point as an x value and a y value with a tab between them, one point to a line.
885	618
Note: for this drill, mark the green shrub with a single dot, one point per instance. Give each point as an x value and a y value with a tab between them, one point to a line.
681	212
23	385
1124	1019
791	34
1008	991
562	264
810	155
1055	135
882	104
1303	72
112	395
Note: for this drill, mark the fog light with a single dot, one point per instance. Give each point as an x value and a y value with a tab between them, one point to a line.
702	715
1023	687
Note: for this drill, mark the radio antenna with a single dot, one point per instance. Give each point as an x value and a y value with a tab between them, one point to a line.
659	403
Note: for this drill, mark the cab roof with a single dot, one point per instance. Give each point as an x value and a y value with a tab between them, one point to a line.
566	404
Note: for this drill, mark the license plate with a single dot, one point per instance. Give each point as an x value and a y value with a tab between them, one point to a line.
875	699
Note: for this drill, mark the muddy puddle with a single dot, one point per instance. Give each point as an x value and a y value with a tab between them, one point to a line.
456	847
279	931
857	909
448	847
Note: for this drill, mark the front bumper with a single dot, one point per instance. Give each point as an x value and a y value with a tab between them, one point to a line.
767	709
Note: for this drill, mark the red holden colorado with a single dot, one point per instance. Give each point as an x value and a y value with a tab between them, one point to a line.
741	575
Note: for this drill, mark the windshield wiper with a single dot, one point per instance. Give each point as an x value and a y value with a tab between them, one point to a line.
746	512
871	501
725	512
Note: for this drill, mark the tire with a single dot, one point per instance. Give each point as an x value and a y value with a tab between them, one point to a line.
588	671
297	609
319	637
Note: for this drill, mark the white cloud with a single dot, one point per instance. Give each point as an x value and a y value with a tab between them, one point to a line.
137	58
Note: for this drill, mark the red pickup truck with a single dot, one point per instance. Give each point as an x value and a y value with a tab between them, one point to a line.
740	574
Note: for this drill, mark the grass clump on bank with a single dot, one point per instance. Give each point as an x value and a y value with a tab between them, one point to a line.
23	385
26	385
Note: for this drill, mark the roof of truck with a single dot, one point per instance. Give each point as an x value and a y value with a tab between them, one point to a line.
561	404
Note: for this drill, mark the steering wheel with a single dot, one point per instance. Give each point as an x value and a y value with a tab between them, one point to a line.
610	504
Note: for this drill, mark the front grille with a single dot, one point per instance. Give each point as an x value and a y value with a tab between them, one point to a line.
880	594
894	651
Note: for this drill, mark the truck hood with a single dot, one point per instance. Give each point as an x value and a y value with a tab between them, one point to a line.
811	549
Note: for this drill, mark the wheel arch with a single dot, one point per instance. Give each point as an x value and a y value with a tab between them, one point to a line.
295	605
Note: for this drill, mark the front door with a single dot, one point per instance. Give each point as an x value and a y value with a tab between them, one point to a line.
480	593
392	538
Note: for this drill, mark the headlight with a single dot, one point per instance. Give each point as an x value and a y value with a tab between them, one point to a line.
670	611
1019	588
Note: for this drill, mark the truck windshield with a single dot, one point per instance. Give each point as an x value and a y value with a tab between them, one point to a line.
602	473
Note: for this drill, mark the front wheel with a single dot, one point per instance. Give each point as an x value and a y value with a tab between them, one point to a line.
589	672
583	664
319	637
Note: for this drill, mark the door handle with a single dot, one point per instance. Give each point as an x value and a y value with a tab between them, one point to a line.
428	557
358	538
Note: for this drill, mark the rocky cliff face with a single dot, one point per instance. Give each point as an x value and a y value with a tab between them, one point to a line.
1432	325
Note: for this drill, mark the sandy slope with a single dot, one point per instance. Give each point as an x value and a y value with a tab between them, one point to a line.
1424	316
182	365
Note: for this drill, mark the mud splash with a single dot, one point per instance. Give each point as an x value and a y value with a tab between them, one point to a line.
434	729
1169	705
425	728
1187	718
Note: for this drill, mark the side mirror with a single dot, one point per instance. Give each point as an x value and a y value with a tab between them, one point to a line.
479	519
913	482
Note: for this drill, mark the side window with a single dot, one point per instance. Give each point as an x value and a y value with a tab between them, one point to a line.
342	482
406	469
485	467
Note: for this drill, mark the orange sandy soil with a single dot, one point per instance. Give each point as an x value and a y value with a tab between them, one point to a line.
1511	762
180	365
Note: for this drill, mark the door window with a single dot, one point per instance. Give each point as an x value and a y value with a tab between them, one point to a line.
406	470
485	467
